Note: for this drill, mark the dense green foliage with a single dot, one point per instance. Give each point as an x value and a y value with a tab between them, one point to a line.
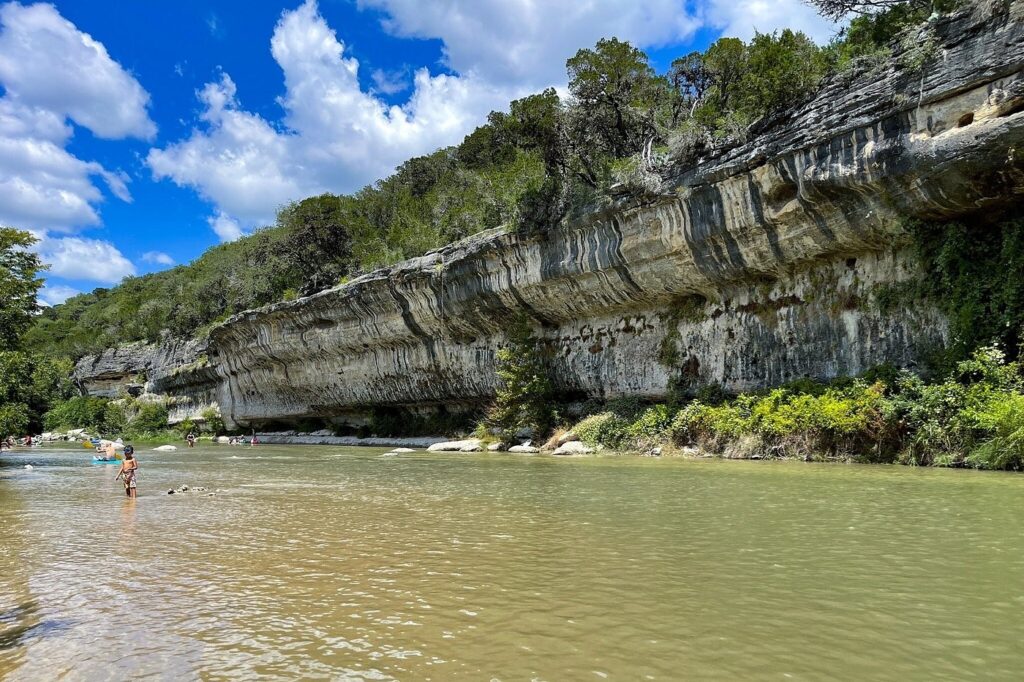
19	283
974	417
181	301
524	393
543	161
126	417
973	271
29	382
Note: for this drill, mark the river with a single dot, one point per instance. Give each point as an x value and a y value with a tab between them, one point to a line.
338	563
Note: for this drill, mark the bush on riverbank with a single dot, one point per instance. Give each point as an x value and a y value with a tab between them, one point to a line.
973	418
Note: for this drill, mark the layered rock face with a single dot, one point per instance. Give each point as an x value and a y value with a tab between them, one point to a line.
759	266
769	262
177	372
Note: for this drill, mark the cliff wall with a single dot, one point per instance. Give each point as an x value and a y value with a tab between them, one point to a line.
763	264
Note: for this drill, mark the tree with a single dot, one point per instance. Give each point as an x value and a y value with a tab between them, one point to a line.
726	64
19	284
782	69
616	91
839	9
524	389
318	241
690	79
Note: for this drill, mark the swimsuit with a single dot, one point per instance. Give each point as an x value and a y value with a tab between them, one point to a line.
129	478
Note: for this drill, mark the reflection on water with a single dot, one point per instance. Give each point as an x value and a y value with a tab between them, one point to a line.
335	563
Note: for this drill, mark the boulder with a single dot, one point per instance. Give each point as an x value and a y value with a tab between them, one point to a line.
524	449
496	447
223	439
403	450
574	447
472	448
165	448
455	445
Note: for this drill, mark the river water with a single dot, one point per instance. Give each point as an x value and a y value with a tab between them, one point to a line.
338	563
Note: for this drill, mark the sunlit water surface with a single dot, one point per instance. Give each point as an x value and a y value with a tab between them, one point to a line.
334	563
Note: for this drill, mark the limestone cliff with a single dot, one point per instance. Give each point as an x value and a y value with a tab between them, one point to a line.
176	370
760	265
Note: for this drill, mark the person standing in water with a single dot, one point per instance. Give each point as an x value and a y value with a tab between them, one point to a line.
191	439
127	472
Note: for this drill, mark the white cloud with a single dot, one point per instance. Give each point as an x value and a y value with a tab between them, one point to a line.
334	136
84	259
390	82
226	227
741	18
524	42
52	72
55	294
157	257
46	62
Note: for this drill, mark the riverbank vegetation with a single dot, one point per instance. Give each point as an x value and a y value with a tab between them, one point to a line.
543	161
127	417
972	418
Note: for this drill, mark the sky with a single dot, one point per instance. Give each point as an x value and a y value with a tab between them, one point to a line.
135	135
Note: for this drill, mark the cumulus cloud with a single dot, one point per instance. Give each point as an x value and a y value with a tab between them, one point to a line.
226	227
741	18
157	258
81	258
334	136
55	294
524	42
46	62
52	73
390	82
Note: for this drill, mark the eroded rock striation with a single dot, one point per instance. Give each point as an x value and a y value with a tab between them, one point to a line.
763	264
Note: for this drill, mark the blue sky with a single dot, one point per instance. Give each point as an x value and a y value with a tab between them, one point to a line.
135	135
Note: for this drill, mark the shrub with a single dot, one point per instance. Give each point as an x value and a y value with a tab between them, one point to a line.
1003	418
80	412
114	418
651	426
151	418
213	421
14	419
186	426
606	429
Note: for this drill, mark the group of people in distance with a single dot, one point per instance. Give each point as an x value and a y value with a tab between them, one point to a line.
130	465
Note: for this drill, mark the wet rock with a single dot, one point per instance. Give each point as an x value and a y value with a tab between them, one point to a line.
165	448
403	450
224	440
496	447
573	448
455	445
182	489
524	449
472	448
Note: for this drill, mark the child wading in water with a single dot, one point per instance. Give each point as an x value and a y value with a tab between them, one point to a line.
127	473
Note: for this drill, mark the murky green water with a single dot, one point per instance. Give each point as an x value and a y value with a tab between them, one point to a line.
331	563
